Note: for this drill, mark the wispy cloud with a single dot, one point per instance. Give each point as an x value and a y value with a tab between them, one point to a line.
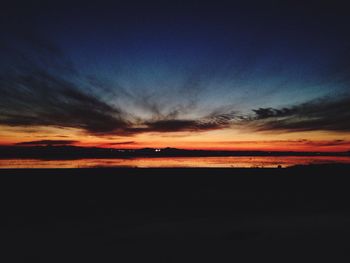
47	142
43	88
35	93
327	114
41	99
39	89
119	143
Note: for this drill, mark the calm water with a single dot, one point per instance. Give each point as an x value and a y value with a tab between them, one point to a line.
224	162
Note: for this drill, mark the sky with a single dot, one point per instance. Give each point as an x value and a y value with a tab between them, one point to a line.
185	74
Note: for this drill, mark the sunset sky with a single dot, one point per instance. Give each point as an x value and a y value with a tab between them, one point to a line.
188	75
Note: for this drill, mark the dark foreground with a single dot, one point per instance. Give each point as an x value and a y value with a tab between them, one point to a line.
99	207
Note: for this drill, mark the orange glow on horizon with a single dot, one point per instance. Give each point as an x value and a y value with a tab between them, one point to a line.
227	139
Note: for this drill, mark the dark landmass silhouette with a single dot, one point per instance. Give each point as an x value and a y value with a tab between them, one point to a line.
42	208
67	152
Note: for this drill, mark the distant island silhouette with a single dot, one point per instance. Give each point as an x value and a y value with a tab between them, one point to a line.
77	152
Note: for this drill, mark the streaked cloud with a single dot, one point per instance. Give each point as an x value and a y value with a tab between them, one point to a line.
47	143
325	114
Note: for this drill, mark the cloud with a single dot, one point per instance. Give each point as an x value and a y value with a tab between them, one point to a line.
47	142
182	125
327	114
216	120
43	99
174	125
46	90
119	143
329	143
41	87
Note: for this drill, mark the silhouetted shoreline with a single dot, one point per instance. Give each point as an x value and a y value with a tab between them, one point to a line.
75	152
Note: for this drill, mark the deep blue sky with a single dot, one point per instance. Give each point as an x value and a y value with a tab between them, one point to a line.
164	61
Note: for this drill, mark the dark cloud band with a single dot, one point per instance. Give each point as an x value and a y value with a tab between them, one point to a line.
47	142
327	114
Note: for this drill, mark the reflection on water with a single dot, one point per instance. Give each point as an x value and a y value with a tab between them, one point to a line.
223	162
